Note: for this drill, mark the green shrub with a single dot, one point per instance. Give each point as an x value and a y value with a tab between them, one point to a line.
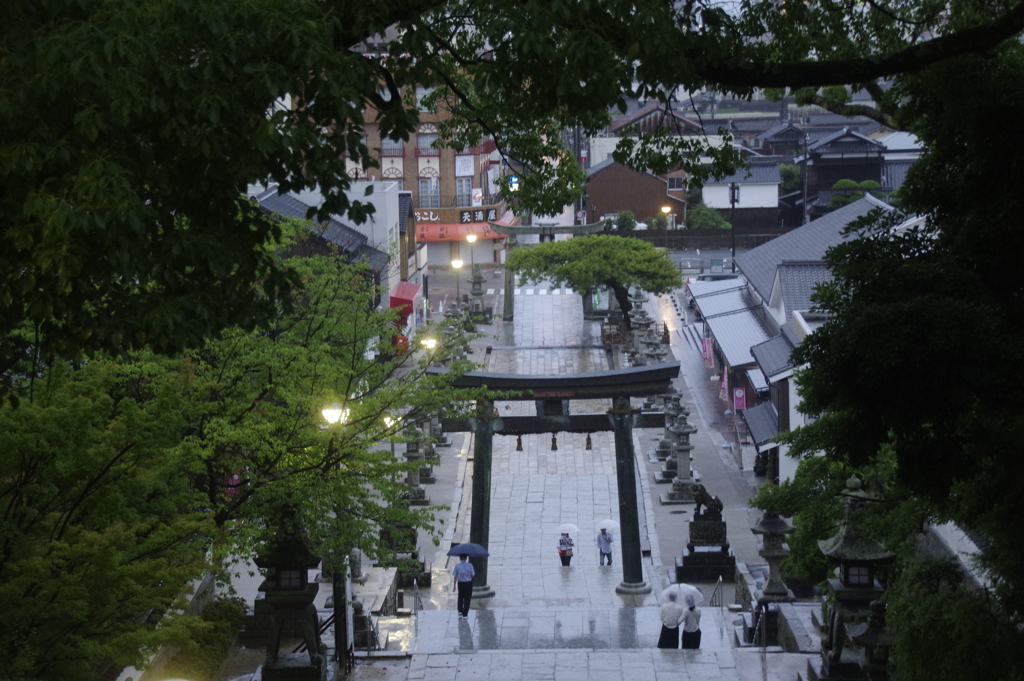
211	639
657	222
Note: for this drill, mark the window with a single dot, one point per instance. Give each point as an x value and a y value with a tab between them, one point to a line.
860	575
424	144
289	579
463	191
390	147
422	92
676	183
430	196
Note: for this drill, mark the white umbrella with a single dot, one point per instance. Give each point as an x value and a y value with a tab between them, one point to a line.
682	591
569	529
607	524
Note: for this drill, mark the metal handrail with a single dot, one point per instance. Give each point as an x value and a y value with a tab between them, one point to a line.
716	595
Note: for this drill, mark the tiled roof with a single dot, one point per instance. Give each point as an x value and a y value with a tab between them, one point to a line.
351	242
757	379
798	280
781	131
853	141
901	141
703	288
756	174
723	302
773	355
736	332
808	242
763	423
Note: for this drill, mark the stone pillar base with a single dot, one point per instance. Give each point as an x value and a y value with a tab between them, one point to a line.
483	592
633	588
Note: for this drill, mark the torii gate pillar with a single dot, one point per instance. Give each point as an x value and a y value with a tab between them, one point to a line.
622	417
483	424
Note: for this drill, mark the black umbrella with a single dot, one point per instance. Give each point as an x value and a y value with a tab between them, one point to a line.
468	549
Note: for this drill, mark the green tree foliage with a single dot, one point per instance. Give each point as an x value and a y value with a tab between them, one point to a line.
702	217
657	222
848	191
932	598
121	171
119	476
255	402
906	301
99	528
625	221
791	179
586	263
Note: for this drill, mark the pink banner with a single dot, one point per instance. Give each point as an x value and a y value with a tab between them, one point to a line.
706	352
723	392
739	399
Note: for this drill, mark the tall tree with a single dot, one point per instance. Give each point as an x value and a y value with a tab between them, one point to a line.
923	350
99	528
587	263
117	477
120	218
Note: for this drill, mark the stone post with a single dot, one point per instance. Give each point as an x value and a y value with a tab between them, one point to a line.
622	417
508	310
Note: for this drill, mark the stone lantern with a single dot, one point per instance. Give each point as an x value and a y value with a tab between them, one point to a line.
288	596
859	557
773	530
874	637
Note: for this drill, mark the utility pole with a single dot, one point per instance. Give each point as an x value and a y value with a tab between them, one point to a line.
734	198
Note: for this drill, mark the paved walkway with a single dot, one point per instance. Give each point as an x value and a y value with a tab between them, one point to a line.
551	622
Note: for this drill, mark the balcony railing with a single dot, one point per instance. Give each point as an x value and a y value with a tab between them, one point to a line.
456	201
427	151
393	151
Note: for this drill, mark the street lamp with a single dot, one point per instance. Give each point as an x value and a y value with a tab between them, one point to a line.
335	413
429	343
669	223
390	422
456	265
471	238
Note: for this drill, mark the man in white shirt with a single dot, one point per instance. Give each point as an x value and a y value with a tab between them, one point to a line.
463	574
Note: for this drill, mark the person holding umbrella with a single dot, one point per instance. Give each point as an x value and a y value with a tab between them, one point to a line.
463	574
565	546
672	615
691	624
604	545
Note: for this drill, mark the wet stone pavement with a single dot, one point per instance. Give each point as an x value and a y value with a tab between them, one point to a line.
545	621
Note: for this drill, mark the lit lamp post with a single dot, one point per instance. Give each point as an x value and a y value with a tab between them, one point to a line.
471	238
669	216
457	265
334	414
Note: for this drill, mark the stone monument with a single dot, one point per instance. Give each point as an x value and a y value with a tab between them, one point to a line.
708	556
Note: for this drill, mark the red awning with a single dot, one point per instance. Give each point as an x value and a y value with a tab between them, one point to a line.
406	297
431	231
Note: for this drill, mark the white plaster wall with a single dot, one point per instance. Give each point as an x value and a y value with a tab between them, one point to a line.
751	196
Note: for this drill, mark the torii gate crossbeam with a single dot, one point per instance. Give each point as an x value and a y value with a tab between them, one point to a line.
617	384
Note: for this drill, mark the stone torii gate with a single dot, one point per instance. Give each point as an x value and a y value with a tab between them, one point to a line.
617	384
